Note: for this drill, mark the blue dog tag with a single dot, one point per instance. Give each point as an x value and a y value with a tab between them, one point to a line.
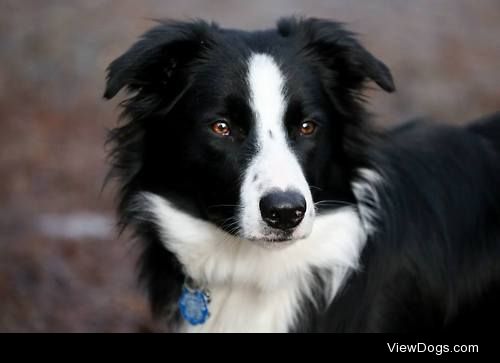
193	305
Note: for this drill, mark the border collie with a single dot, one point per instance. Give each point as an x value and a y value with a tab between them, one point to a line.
265	202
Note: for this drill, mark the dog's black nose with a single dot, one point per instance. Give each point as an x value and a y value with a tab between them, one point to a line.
283	210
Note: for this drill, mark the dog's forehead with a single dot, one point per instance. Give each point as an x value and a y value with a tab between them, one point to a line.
229	55
266	84
224	75
245	68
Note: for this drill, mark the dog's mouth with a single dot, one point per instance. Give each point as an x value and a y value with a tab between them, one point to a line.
273	243
264	235
275	240
272	239
267	238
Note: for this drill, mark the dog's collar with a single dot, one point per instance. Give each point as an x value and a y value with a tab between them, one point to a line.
193	302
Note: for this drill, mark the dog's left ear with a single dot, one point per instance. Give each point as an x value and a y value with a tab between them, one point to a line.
339	50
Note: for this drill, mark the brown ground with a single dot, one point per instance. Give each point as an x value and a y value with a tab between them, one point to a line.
62	268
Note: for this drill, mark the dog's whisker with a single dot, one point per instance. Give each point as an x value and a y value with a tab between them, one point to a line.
315	187
230	223
223	205
333	202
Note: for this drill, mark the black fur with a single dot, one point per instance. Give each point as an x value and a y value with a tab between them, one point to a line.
431	264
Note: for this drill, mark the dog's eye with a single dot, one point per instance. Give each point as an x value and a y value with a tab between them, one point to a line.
221	127
307	127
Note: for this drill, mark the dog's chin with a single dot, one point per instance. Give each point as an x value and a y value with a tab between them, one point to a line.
274	242
271	244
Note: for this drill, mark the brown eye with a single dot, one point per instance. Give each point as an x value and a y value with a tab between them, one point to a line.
307	127
221	128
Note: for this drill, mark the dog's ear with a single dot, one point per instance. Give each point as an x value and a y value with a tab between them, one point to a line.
158	57
339	50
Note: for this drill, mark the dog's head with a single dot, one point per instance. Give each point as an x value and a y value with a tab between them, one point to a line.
247	130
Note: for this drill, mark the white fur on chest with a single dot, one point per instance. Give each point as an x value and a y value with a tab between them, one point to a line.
247	309
255	289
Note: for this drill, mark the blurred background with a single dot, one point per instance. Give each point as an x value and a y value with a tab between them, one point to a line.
62	266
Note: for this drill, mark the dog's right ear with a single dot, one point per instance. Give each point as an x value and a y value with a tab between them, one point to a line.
158	57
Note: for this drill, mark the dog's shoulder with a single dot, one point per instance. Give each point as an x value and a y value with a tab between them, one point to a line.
431	263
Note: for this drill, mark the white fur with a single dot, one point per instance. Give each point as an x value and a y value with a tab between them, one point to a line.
255	289
274	164
366	194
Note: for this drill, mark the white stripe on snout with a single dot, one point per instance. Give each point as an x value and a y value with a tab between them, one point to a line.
274	166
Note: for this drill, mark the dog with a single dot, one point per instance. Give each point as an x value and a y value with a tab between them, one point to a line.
264	200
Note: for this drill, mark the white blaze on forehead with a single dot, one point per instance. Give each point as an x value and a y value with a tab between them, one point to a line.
266	84
274	166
